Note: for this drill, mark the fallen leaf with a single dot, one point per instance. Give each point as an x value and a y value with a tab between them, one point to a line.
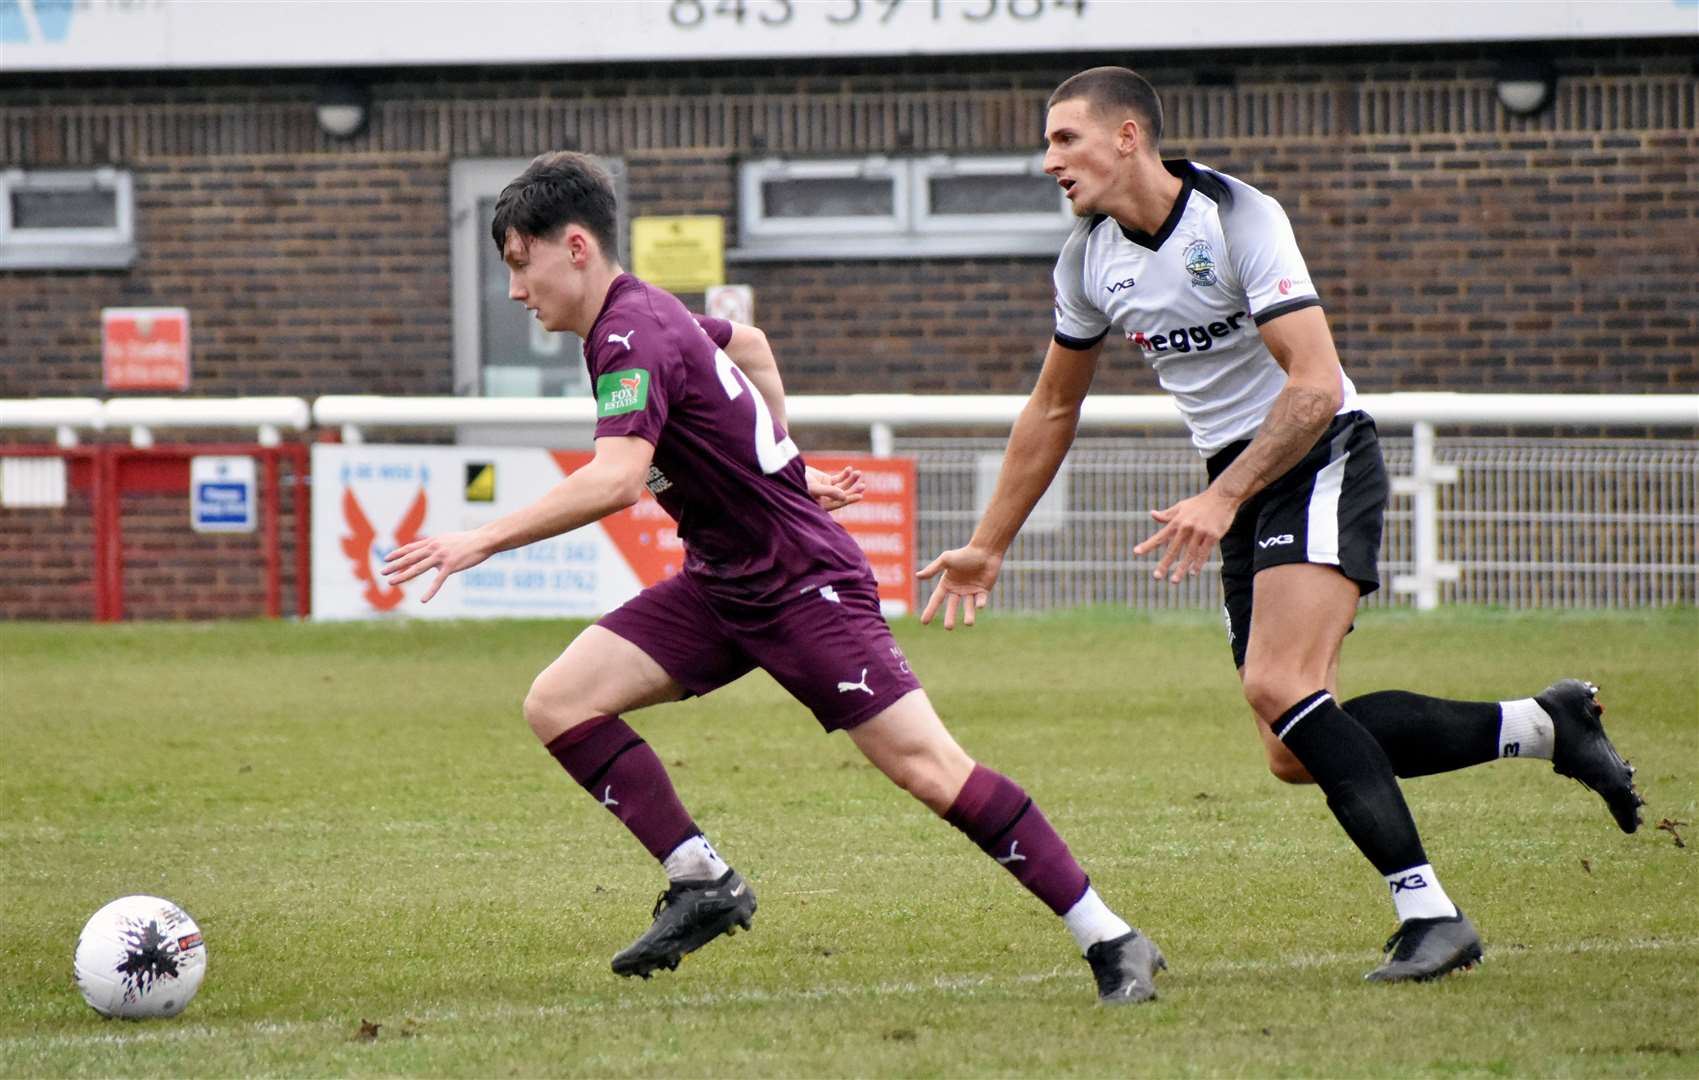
1587	865
368	1031
1670	826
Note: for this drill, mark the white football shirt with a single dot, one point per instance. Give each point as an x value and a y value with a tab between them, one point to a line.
1191	298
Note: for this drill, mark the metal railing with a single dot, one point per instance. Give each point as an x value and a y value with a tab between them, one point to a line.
1517	522
269	417
1520	523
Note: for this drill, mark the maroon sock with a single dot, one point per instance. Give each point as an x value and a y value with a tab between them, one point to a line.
613	763
997	815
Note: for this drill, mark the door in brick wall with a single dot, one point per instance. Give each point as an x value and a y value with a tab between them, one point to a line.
499	349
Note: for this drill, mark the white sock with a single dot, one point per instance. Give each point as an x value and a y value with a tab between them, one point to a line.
1524	730
1091	921
1417	894
694	860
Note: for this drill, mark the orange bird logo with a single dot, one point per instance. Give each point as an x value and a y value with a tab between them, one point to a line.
360	545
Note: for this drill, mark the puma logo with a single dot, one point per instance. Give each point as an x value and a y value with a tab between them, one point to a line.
846	687
608	797
623	339
829	593
1012	856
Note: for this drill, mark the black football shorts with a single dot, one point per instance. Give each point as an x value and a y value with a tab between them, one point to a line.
1327	509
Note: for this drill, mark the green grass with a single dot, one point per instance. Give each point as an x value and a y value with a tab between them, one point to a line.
364	829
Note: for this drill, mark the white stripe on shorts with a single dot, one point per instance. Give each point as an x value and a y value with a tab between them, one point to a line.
1322	529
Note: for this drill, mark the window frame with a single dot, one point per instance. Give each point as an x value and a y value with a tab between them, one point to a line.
93	248
753	175
912	231
941	165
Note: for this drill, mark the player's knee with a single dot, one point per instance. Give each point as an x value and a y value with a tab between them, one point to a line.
1272	692
537	714
550	712
912	775
926	778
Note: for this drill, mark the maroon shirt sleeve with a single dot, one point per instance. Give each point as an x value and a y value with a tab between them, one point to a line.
633	375
719	330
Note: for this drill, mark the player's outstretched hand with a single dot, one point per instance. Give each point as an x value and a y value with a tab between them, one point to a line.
835	490
448	554
967	576
1191	528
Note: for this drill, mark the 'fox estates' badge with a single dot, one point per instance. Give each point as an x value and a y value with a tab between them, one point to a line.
622	392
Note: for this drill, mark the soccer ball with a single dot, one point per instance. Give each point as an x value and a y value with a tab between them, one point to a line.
140	956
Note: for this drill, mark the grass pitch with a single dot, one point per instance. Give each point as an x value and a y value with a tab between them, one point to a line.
366	832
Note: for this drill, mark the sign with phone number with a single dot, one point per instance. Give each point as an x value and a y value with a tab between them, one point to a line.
61	35
778	13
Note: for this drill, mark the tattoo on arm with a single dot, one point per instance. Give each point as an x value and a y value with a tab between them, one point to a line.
1294	422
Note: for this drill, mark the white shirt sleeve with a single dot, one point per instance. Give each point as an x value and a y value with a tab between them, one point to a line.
1079	322
1264	254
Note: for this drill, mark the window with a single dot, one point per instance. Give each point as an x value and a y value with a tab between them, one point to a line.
880	207
809	199
72	219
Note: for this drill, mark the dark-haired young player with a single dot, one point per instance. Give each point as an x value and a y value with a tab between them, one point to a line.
770	580
1202	273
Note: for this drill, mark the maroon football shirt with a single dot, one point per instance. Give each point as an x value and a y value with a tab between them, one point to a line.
724	468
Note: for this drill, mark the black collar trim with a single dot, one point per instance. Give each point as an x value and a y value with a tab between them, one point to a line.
1188	179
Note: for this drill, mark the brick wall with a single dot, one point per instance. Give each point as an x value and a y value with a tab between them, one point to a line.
169	571
1455	247
303	276
172	572
47	562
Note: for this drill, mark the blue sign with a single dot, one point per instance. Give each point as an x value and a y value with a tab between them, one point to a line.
224	504
221	494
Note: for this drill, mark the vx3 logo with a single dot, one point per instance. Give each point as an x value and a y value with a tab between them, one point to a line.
1117	286
1277	541
1013	856
1409	883
608	799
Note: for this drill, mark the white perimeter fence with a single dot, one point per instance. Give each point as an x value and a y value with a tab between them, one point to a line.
1511	521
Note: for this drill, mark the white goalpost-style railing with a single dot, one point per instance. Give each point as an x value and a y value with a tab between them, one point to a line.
1511	520
67	418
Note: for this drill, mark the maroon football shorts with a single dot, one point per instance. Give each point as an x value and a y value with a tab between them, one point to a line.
826	644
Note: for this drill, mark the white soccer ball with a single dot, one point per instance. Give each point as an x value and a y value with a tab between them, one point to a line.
140	956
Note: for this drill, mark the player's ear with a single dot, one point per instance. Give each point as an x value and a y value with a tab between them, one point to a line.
578	247
1129	137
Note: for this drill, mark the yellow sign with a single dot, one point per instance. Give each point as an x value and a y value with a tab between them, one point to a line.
480	482
683	254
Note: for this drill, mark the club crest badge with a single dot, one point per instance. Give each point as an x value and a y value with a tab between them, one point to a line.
1200	262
